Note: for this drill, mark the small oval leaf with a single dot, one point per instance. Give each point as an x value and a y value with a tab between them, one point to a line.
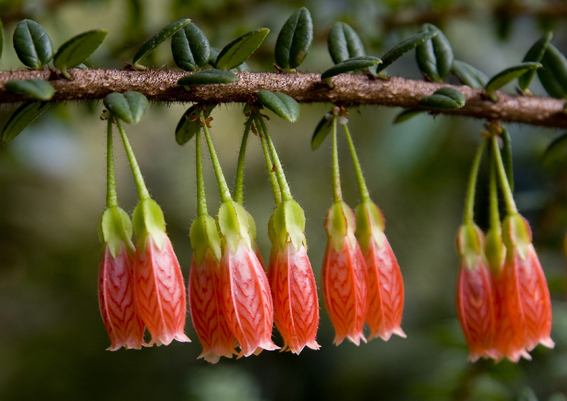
469	75
22	117
556	152
406	115
507	156
206	77
435	56
238	51
189	124
283	105
77	49
321	131
353	64
128	106
190	48
403	47
535	53
344	43
294	40
32	44
444	98
553	75
508	75
36	88
149	45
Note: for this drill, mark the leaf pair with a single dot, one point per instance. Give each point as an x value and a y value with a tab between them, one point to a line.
35	49
294	40
129	106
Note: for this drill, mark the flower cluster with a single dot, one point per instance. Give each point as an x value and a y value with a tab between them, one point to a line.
503	301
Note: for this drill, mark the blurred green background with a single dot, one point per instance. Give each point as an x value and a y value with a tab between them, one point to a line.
52	192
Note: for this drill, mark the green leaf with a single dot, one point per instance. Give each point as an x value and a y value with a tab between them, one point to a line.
294	40
128	106
349	65
508	75
402	48
435	56
36	88
32	44
507	156
149	45
344	43
206	77
1	37
189	124
22	117
321	131
469	75
284	106
556	152
535	53
77	49
238	51
444	98
406	115
553	75
190	48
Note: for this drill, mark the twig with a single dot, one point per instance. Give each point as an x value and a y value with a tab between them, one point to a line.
349	90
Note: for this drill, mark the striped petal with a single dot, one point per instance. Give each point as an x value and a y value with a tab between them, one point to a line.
160	292
296	306
116	301
385	291
345	290
206	311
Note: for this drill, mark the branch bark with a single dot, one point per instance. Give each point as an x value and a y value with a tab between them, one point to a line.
349	90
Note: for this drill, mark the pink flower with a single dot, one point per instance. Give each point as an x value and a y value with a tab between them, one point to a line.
246	299
344	276
205	304
160	290
522	295
475	299
116	300
296	306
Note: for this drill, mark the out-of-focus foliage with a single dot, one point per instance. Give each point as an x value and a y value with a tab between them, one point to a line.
52	192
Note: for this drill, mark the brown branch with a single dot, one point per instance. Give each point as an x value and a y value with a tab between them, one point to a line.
88	84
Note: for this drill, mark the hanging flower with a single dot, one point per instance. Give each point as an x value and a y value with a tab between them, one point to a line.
296	305
475	302
160	290
245	291
116	284
385	283
205	302
522	294
344	276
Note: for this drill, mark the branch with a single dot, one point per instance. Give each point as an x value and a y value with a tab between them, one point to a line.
349	90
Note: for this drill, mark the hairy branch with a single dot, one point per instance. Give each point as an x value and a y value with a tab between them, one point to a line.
349	90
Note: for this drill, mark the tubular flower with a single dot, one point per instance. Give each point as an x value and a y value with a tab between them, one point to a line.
115	282
160	290
245	291
522	294
344	276
204	292
475	302
296	305
385	283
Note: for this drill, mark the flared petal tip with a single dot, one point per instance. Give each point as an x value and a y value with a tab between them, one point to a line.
264	345
547	342
353	338
167	339
386	335
116	347
297	349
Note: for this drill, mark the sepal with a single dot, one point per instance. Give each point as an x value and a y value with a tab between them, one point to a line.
205	236
115	229
494	249
288	224
517	234
369	224
148	221
470	244
233	225
340	223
